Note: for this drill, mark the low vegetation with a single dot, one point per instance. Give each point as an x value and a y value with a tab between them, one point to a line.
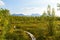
44	27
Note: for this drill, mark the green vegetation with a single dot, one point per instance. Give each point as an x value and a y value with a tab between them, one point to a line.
44	27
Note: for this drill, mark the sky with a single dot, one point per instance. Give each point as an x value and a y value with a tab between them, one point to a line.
29	7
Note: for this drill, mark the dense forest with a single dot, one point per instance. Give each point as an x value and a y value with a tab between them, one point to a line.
44	27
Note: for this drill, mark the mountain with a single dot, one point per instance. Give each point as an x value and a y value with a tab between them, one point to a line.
26	15
35	14
18	14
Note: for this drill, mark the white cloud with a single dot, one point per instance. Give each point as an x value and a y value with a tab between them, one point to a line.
39	9
43	6
58	11
58	1
1	3
35	10
32	10
46	2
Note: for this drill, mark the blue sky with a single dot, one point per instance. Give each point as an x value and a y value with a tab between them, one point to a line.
27	7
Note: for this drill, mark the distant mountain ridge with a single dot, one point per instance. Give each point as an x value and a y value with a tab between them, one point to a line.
18	14
35	14
26	15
